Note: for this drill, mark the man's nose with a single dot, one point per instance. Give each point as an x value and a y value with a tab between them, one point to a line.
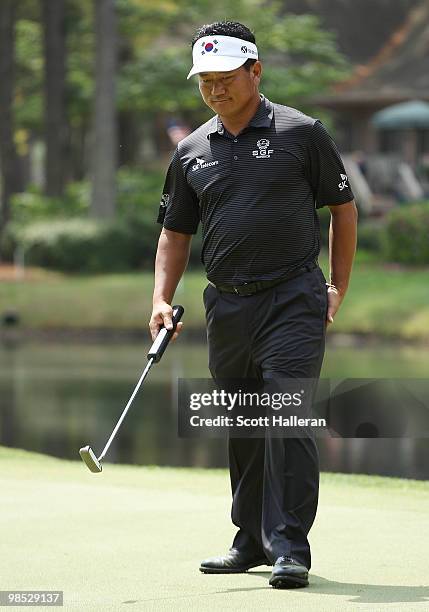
217	88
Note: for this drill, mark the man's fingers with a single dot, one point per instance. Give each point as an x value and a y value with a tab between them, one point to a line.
160	316
163	318
154	325
334	301
168	323
178	330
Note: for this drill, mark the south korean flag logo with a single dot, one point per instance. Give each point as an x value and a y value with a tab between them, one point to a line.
209	47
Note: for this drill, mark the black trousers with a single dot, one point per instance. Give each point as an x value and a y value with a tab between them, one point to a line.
278	332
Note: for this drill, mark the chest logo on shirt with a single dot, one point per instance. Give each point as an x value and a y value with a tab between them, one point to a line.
203	164
343	183
263	152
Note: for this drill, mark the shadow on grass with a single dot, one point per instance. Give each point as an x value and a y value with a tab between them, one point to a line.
361	593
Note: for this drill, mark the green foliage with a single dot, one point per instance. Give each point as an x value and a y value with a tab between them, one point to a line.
83	245
370	235
138	193
28	106
80	43
324	215
32	205
300	58
57	233
406	234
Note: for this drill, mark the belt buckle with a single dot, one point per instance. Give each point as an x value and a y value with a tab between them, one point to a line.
237	290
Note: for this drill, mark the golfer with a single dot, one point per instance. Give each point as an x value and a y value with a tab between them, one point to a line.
254	176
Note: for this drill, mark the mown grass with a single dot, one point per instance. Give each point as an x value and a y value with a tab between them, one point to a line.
134	536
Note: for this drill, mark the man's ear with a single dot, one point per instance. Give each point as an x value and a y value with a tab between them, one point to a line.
257	70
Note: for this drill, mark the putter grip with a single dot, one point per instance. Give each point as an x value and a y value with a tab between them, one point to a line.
164	336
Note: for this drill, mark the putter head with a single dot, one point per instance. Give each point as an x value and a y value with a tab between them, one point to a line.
90	459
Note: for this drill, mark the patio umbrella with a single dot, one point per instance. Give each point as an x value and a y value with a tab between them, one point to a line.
408	115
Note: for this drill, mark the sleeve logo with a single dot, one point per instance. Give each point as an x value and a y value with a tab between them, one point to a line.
165	198
343	184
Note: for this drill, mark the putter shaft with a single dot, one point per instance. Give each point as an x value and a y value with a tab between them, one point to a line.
155	353
124	413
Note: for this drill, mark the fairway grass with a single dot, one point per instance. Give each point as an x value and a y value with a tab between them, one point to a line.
132	538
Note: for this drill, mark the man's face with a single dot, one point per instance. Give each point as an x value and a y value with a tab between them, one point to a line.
228	93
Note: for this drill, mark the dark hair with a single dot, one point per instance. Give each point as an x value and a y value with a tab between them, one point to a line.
227	28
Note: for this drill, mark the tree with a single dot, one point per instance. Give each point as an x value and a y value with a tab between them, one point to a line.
300	58
10	174
56	130
104	144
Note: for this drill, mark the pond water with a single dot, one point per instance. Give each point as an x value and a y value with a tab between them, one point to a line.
58	396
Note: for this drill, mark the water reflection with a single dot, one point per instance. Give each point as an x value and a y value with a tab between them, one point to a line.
57	397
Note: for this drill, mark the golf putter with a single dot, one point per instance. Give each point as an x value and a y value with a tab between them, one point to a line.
154	355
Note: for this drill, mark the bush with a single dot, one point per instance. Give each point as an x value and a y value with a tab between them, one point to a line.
32	205
406	235
370	232
84	245
324	215
137	192
58	233
370	235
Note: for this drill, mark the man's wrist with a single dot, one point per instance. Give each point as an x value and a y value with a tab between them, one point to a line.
158	299
341	289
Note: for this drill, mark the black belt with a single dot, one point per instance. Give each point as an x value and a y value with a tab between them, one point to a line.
250	288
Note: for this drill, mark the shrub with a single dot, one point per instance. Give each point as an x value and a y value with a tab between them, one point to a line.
370	235
57	232
406	234
137	192
32	205
85	245
324	215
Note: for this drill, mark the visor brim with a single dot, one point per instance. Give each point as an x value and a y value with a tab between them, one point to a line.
217	64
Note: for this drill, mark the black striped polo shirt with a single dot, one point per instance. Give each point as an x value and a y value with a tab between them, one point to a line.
256	194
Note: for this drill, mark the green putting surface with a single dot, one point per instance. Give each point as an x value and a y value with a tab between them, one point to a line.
131	538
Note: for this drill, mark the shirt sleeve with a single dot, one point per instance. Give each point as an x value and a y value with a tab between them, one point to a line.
328	177
179	209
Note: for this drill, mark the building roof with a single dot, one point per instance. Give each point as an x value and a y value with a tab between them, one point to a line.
361	27
398	72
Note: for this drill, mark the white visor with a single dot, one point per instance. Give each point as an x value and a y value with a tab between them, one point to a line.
221	54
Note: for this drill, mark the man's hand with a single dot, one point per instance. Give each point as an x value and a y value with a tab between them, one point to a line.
334	300
162	315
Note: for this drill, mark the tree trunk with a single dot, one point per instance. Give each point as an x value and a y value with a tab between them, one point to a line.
104	143
10	169
56	129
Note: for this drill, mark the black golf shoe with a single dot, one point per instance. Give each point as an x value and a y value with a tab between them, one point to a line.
235	562
288	574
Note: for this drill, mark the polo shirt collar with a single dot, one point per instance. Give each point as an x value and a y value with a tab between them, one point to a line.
262	118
